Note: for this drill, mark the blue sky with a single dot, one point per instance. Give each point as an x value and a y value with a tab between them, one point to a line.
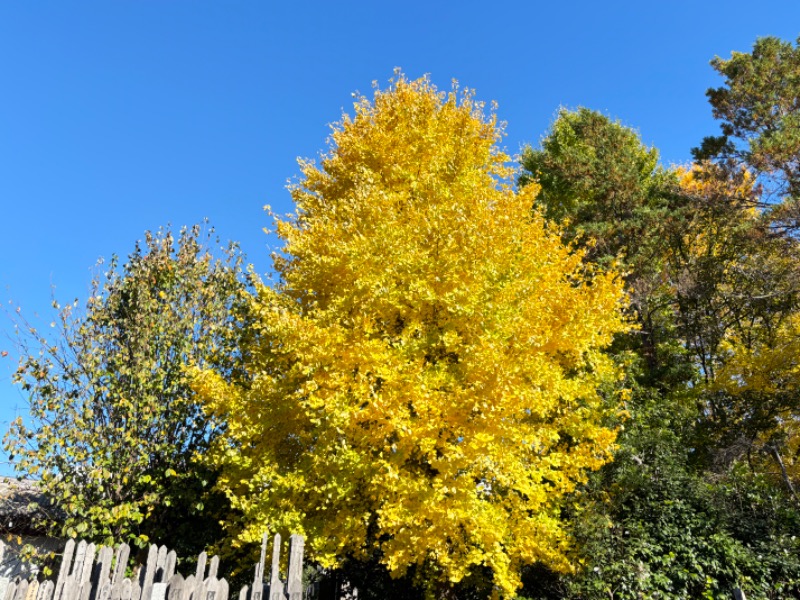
122	116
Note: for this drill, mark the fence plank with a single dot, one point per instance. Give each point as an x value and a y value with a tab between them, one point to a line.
147	575
120	565
33	588
275	583
80	557
224	590
102	570
200	573
136	586
294	577
11	589
188	587
175	587
213	567
63	571
169	567
159	591
46	589
105	591
199	592
88	563
210	589
70	589
161	562
22	589
85	576
257	589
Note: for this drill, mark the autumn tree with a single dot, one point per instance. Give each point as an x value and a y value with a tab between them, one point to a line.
428	375
113	424
760	122
700	256
736	284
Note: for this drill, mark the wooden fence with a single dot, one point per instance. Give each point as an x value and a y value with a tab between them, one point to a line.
91	573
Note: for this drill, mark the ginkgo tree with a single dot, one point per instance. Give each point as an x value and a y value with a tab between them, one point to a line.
428	376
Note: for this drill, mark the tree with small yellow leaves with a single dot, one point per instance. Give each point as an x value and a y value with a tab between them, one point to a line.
428	375
737	285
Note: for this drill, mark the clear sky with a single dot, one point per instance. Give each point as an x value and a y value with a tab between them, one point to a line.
119	116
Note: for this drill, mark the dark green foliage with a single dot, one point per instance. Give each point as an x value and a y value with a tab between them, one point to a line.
656	528
596	174
759	110
651	526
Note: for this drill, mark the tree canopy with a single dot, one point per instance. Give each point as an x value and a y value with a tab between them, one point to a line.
760	121
428	375
598	176
114	426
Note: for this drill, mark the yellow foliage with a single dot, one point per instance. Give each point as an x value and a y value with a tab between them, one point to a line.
426	374
724	205
703	179
763	365
768	363
739	281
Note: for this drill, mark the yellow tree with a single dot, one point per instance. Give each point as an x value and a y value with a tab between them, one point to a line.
428	374
761	374
737	289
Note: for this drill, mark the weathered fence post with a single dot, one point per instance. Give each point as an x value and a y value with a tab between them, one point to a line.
120	564
275	583
4	581
46	589
257	589
147	576
294	577
103	570
63	571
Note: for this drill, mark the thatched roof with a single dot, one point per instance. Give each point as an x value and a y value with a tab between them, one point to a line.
22	506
